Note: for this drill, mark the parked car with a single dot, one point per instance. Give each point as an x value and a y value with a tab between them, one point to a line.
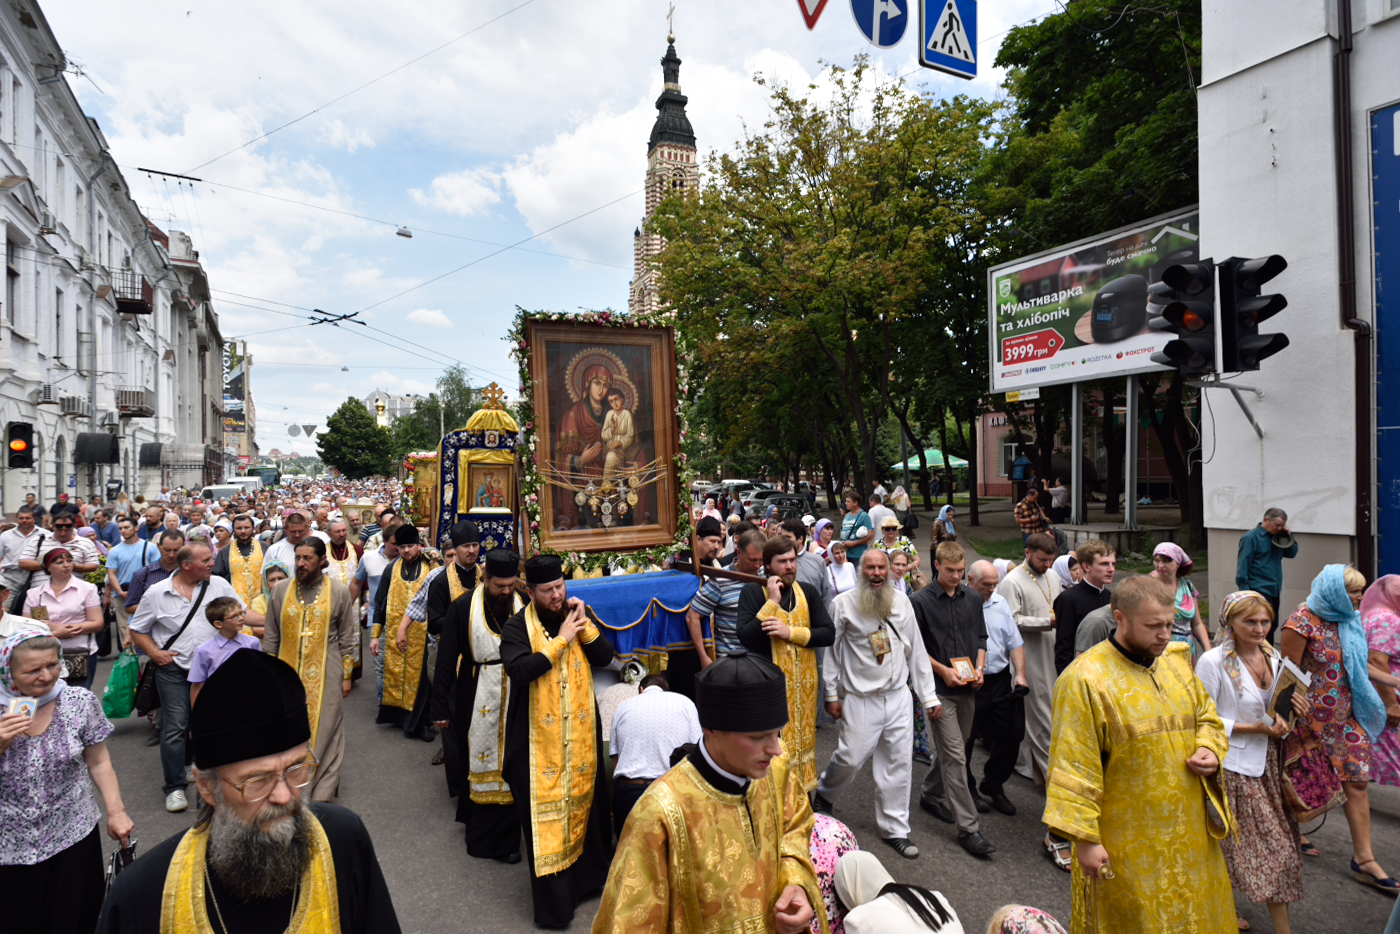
790	506
753	498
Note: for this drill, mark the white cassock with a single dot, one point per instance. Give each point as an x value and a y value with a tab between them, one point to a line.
876	717
1032	599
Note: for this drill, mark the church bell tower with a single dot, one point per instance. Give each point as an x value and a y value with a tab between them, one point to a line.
672	168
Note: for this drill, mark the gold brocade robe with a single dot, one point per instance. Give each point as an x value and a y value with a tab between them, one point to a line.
183	909
563	754
695	860
245	574
799	665
1118	776
402	670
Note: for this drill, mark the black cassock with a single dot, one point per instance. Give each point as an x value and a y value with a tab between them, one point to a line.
439	599
493	830
557	895
133	907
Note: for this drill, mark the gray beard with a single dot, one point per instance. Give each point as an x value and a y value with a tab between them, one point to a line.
876	602
256	866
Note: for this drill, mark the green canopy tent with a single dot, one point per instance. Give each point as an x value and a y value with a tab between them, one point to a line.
935	461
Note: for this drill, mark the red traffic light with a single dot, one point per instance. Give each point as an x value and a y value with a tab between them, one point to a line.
19	445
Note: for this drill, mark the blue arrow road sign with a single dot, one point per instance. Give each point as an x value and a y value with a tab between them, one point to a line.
882	21
949	36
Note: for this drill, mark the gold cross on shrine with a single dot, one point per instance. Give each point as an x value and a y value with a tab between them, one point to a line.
494	395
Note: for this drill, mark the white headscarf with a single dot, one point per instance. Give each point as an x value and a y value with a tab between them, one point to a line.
1061	567
859	878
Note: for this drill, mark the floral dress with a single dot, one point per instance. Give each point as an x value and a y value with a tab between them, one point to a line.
831	840
1383	635
1343	739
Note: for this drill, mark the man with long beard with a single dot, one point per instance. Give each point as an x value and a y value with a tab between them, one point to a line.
554	742
877	649
311	626
784	620
470	695
257	859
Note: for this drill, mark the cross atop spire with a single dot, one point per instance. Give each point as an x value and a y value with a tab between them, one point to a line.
671	23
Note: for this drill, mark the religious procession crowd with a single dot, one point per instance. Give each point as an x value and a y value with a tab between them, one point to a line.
1172	768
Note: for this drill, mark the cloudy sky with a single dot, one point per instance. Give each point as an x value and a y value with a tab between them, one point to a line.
532	126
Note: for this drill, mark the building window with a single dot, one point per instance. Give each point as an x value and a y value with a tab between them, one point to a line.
58	325
11	282
60	191
1009	453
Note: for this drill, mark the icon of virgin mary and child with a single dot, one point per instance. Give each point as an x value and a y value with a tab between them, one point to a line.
597	437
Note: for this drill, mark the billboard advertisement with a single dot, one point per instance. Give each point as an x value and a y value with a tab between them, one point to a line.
235	386
1081	311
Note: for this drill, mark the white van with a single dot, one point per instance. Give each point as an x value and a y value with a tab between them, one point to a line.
249	484
212	494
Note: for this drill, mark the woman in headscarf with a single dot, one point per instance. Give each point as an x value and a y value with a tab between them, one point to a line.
1326	639
711	511
1064	567
51	754
1171	565
822	533
944	529
1380	616
830	841
273	573
1263	857
876	904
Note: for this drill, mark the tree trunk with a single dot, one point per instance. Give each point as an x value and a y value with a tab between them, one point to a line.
972	460
1115	442
925	487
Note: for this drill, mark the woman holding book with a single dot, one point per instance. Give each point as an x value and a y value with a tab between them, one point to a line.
1240	673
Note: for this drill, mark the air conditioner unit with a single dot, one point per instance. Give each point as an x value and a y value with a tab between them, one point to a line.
47	395
85	262
109	418
46	223
75	405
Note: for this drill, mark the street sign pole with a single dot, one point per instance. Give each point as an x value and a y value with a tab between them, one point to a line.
1076	454
1130	471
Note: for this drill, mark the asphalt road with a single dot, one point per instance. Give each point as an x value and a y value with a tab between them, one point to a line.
389	781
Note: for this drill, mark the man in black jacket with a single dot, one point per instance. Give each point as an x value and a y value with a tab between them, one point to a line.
1099	563
955	635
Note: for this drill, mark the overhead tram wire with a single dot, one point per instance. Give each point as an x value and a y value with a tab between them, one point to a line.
356	90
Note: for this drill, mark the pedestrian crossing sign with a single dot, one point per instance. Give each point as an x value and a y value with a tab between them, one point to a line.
948	31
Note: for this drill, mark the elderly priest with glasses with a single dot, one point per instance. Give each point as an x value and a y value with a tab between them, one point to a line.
257	858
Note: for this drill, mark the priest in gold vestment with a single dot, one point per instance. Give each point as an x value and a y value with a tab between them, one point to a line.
785	620
405	651
258	860
721	842
1135	779
554	743
311	626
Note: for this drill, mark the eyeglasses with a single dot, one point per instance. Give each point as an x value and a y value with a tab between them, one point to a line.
260	787
60	526
239	615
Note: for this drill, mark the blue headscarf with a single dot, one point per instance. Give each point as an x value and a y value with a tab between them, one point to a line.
1329	600
947	523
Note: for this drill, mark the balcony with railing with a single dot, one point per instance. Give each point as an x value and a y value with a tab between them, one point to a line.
136	402
133	292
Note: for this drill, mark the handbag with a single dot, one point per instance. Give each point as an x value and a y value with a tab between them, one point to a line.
122	857
75	666
17	602
1311	787
147	697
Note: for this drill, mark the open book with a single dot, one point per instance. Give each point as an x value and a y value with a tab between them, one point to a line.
1290	680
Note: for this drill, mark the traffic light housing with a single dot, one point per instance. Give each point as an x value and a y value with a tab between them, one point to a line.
1242	307
20	438
1183	303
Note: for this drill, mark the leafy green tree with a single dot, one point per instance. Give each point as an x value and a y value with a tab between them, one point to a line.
353	444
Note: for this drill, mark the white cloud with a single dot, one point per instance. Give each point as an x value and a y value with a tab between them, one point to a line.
465	193
430	317
338	136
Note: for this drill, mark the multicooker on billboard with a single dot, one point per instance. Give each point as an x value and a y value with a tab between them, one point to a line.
1081	311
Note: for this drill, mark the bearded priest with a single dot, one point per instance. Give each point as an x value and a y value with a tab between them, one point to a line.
554	742
470	692
721	842
257	858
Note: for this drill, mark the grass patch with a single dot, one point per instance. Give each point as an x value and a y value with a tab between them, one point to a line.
1012	549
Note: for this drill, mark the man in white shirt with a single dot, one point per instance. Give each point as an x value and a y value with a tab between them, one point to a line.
1001	713
296	529
174	607
879	512
646	730
12	542
877	649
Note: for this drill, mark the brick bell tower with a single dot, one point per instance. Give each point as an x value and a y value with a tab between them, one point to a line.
672	168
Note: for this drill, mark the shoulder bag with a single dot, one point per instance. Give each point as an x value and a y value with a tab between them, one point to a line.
147	697
17	603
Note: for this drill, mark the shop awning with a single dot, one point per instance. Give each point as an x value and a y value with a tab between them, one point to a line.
935	461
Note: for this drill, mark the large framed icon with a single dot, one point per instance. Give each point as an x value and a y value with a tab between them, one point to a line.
605	435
